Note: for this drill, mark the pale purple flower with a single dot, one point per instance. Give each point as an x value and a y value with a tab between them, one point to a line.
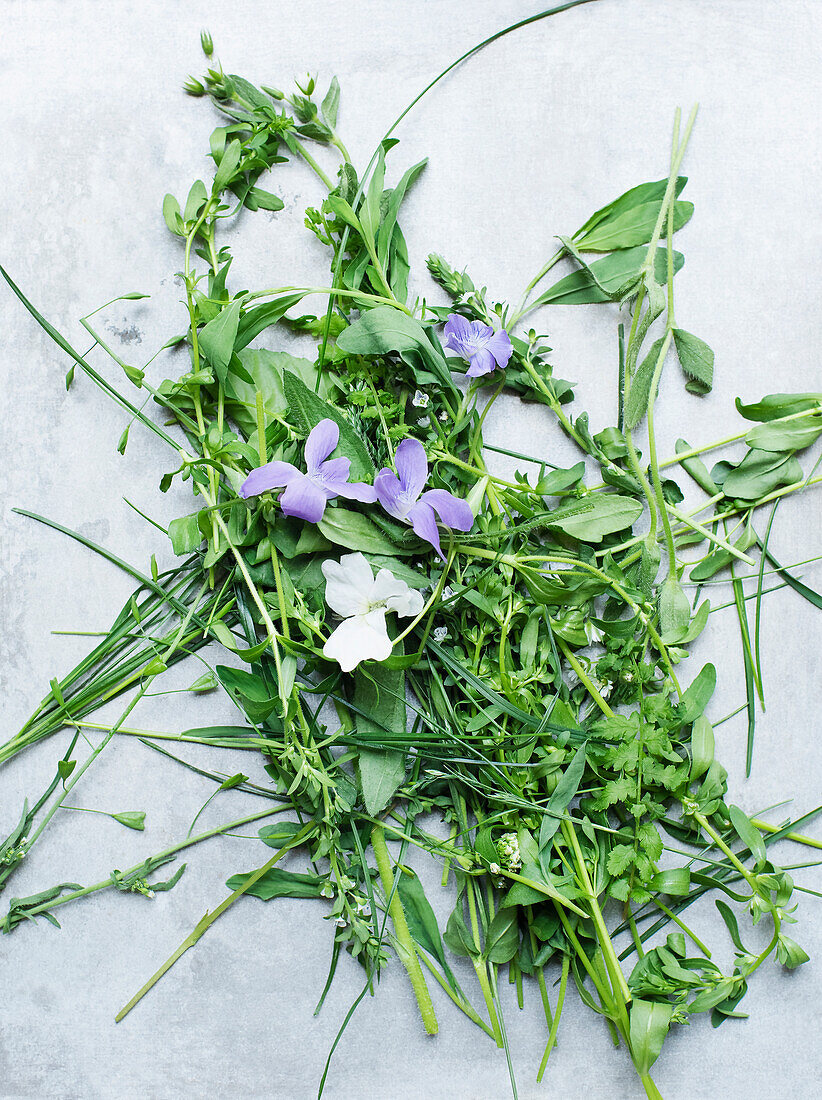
403	497
306	494
484	349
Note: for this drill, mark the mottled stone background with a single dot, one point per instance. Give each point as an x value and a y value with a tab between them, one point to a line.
525	141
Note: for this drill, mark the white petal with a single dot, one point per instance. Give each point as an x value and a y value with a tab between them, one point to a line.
359	638
348	586
395	594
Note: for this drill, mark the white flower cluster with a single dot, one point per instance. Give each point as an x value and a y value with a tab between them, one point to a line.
509	854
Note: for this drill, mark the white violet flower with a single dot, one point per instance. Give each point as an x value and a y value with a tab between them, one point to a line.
420	400
440	634
362	600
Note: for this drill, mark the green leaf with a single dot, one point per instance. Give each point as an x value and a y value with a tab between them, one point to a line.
392	212
630	228
420	916
676	882
197	198
220	733
379	700
790	953
228	166
248	691
218	337
760	473
776	405
649	1026
338	205
558	803
331	103
369	212
356	531
640	393
702	747
131	819
793	436
245	90
613	272
731	924
559	481
457	937
383	330
173	216
674	611
277	836
620	858
185	533
255	320
749	835
65	768
276	883
696	468
308	409
628	201
595	516
257	199
502	937
698	694
696	360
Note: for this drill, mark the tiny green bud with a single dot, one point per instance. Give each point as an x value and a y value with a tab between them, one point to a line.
207	43
193	87
275	93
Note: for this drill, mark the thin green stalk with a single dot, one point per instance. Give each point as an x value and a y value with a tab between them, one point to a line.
208	919
189	842
406	949
552	1035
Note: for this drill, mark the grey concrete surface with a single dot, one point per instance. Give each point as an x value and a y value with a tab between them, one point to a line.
524	142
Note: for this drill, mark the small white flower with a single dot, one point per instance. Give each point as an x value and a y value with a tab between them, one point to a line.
362	600
420	400
494	868
341	922
440	634
447	592
443	416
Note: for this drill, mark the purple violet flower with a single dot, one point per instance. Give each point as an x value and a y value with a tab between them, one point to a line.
403	498
306	494
484	349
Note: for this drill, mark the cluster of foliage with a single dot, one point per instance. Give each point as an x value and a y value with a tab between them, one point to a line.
535	704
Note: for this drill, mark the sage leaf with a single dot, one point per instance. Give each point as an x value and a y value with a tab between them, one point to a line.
595	516
696	360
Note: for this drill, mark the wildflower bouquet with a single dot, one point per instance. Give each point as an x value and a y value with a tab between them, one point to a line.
414	640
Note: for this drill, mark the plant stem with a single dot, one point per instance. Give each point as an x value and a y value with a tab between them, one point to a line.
208	919
405	943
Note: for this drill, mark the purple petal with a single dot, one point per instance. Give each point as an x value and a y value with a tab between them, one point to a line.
357	490
481	362
320	443
453	511
412	467
425	525
331	475
271	476
303	499
457	330
389	493
500	347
